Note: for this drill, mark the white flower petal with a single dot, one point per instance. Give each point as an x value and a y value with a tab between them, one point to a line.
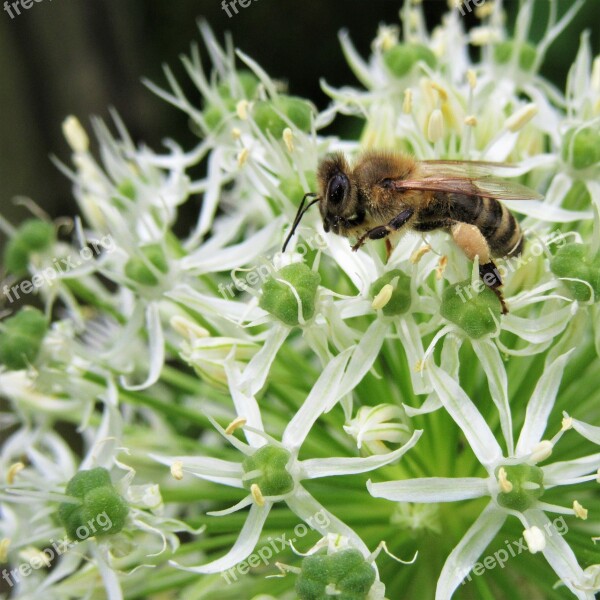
469	549
467	417
247	501
590	432
255	374
430	489
569	469
317	516
540	404
232	257
559	554
542	329
359	67
212	469
244	545
359	266
324	393
545	212
207	304
109	576
327	467
431	404
493	366
410	337
210	200
364	355
156	343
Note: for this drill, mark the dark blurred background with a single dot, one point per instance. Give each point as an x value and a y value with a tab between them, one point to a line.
80	57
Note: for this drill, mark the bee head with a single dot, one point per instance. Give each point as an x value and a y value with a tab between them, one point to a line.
338	204
337	198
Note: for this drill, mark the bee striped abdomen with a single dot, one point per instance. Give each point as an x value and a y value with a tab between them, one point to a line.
492	218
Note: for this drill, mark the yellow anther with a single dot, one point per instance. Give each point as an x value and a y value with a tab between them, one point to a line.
236	133
580	512
235	424
416	256
567	423
440	90
519	119
288	138
442	264
242	109
13	470
471	121
472	78
177	470
435	126
383	297
243	157
4	545
257	495
485	10
407	104
75	134
505	485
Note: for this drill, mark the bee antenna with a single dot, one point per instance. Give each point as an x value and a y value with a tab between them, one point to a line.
301	210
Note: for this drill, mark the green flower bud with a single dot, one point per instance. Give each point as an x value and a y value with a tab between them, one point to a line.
267	468
347	572
526	482
292	188
34	235
137	269
21	338
85	481
248	82
297	110
125	190
215	113
400	301
401	59
102	510
278	299
472	311
571	261
504	51
581	147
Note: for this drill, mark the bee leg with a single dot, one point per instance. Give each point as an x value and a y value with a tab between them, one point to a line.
388	248
378	233
491	277
472	242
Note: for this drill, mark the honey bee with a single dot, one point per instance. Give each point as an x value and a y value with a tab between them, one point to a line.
386	193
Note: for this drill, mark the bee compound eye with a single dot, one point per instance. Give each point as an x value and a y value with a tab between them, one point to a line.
338	186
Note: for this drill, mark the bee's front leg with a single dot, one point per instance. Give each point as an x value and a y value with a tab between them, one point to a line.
378	233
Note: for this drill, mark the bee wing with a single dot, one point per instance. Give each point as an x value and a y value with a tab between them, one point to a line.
465	168
470	178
